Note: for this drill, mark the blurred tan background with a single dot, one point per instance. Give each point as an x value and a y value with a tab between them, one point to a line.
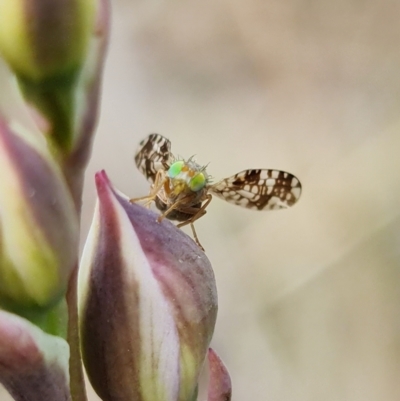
309	297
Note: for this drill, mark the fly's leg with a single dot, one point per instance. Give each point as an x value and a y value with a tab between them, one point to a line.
155	188
196	238
200	213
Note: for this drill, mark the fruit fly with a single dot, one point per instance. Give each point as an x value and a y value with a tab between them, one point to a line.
182	189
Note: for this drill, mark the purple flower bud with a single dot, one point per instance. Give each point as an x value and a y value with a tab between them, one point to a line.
148	303
33	364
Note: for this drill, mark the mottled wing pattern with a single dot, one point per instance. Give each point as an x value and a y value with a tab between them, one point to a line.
259	189
153	154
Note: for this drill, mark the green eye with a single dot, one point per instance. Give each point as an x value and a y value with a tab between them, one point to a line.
197	182
175	169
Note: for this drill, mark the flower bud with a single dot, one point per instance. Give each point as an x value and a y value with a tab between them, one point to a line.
38	224
147	301
45	43
33	364
44	39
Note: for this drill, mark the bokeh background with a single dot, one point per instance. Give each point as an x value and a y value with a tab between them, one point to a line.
309	297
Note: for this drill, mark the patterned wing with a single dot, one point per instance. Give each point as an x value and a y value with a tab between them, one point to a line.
153	154
259	189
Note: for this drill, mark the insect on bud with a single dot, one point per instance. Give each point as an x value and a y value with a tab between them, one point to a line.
147	301
182	189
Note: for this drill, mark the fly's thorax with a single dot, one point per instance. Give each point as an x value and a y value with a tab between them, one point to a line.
187	177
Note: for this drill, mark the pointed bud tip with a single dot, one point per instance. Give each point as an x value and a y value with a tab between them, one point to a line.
102	182
101	177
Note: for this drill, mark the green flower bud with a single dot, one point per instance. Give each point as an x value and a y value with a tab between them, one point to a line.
147	301
44	39
45	43
38	224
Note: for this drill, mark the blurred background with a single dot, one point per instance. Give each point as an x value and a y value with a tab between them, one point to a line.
309	298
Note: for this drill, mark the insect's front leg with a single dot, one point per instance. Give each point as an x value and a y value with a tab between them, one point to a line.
155	188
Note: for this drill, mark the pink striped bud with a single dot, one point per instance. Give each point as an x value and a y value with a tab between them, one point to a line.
148	303
38	223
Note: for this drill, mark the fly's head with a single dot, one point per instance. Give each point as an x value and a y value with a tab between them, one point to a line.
187	178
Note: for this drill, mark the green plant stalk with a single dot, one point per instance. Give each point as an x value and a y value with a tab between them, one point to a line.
55	99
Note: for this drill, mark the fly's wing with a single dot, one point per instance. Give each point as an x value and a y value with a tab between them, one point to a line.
153	154
259	189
